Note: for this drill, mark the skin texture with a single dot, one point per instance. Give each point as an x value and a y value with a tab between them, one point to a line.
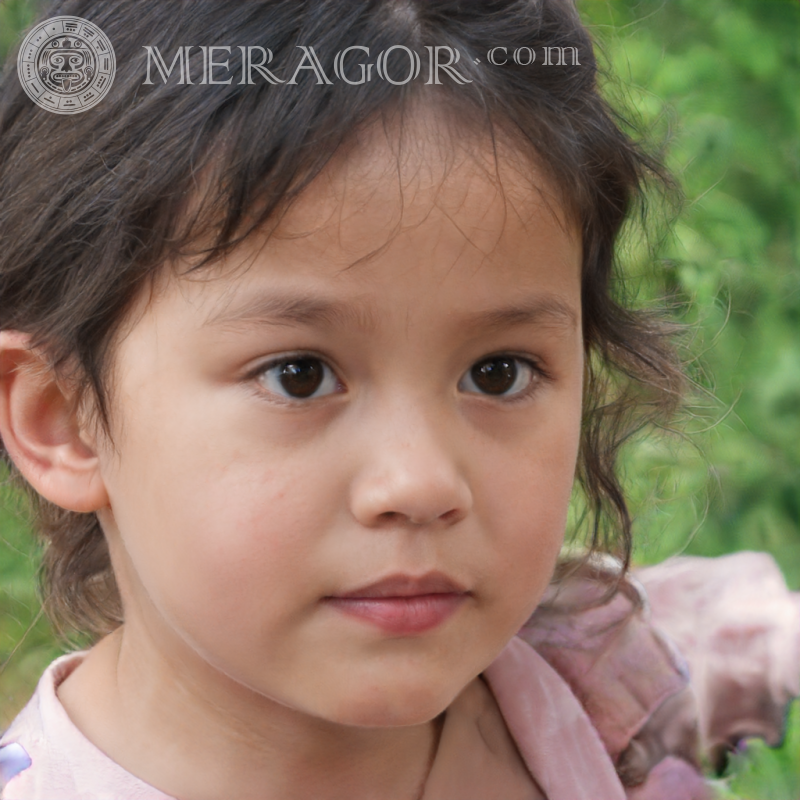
233	512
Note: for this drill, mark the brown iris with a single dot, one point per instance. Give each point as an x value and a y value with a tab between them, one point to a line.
301	377
495	375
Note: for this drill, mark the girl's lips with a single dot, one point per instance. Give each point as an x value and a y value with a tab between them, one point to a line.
403	605
402	616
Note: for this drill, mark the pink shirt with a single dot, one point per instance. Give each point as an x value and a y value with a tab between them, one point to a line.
518	734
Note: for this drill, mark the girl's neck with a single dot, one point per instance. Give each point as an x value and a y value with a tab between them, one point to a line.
162	720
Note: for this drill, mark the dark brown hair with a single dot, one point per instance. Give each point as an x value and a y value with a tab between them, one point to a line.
92	205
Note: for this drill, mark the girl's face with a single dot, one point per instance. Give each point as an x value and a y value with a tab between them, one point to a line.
342	469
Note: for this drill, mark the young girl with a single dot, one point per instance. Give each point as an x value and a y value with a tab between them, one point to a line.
300	363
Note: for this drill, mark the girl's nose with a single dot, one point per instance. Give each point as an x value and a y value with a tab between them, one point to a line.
409	476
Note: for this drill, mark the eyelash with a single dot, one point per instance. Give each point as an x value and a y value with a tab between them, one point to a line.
536	375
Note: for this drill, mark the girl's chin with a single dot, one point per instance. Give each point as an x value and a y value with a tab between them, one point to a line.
393	709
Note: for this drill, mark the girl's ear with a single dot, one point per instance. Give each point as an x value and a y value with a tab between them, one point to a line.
41	429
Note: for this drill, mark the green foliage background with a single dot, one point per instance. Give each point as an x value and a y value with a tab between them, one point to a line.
718	81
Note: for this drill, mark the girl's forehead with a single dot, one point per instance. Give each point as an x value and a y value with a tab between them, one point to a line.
394	179
405	206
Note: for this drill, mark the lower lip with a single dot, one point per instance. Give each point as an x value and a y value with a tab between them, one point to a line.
401	616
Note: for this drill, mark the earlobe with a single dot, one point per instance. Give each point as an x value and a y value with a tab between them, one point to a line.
41	430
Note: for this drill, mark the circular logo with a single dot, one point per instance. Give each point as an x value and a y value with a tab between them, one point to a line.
66	65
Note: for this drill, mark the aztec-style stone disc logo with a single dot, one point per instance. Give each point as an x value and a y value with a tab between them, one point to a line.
66	65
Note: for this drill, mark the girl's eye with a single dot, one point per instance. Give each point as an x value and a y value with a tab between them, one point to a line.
299	378
499	376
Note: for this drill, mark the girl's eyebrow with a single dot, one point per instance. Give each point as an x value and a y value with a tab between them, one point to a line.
546	310
293	309
305	309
